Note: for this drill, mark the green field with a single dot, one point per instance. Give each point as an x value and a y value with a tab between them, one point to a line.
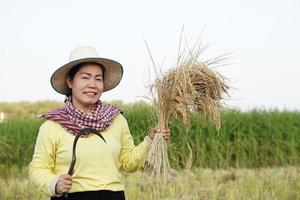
255	155
247	139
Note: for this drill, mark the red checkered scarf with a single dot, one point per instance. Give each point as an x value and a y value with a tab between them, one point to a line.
73	120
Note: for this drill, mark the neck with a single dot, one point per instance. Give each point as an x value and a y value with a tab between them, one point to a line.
84	108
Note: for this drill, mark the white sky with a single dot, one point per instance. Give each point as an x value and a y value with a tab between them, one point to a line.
36	37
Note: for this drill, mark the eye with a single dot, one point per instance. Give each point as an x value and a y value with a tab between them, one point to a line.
85	77
99	79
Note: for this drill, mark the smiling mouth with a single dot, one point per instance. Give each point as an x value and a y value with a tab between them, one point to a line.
90	93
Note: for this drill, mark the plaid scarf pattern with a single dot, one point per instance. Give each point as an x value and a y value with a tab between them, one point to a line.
73	120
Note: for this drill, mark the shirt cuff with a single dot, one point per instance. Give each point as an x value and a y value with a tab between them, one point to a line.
148	141
52	188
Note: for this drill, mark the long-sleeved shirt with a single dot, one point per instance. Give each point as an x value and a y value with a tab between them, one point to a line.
98	164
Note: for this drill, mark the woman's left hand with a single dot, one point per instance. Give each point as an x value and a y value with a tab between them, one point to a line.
165	133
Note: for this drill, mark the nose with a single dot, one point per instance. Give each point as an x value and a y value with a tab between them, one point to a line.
92	83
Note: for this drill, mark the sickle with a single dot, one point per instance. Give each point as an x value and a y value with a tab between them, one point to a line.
83	131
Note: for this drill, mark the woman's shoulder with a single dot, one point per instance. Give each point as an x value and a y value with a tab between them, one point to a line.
120	118
52	127
50	124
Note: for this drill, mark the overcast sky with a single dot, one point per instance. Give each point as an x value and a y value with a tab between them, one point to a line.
264	35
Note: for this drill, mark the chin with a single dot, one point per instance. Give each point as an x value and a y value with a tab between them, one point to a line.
93	100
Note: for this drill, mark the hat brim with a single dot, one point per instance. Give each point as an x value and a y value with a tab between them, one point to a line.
113	73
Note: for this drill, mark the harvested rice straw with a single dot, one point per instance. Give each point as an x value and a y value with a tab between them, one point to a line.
190	86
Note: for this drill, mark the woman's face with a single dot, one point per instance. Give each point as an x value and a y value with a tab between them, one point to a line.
87	86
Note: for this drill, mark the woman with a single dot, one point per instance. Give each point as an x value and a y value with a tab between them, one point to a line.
97	162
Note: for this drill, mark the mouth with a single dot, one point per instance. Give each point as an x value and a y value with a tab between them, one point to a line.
91	94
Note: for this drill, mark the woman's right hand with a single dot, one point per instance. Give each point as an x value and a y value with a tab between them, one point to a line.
165	133
63	184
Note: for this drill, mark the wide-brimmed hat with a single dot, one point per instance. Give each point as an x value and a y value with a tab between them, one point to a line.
113	71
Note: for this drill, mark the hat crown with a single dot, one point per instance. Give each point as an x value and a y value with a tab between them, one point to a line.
83	52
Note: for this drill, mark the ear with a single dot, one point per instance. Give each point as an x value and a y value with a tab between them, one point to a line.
69	82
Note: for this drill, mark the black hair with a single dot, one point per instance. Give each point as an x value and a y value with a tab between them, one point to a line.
76	68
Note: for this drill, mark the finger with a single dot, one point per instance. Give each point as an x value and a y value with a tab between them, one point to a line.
66	187
62	177
166	134
67	182
166	130
66	177
63	188
69	177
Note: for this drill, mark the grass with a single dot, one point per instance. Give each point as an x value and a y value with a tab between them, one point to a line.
200	183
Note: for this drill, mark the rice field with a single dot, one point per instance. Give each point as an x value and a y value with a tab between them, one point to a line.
246	139
255	155
196	184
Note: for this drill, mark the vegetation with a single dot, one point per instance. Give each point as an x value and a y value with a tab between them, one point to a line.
246	139
254	156
206	184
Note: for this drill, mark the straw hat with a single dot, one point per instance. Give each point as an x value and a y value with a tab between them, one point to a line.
112	74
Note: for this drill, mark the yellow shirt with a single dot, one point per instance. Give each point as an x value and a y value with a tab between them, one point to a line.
98	164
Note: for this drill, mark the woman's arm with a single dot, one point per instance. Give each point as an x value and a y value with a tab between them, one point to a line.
43	161
131	156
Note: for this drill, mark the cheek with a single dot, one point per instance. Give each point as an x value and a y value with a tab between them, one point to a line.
101	86
77	85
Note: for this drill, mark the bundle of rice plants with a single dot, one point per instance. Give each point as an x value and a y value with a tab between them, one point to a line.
190	86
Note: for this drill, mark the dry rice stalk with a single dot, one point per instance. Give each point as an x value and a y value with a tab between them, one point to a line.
190	86
205	89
